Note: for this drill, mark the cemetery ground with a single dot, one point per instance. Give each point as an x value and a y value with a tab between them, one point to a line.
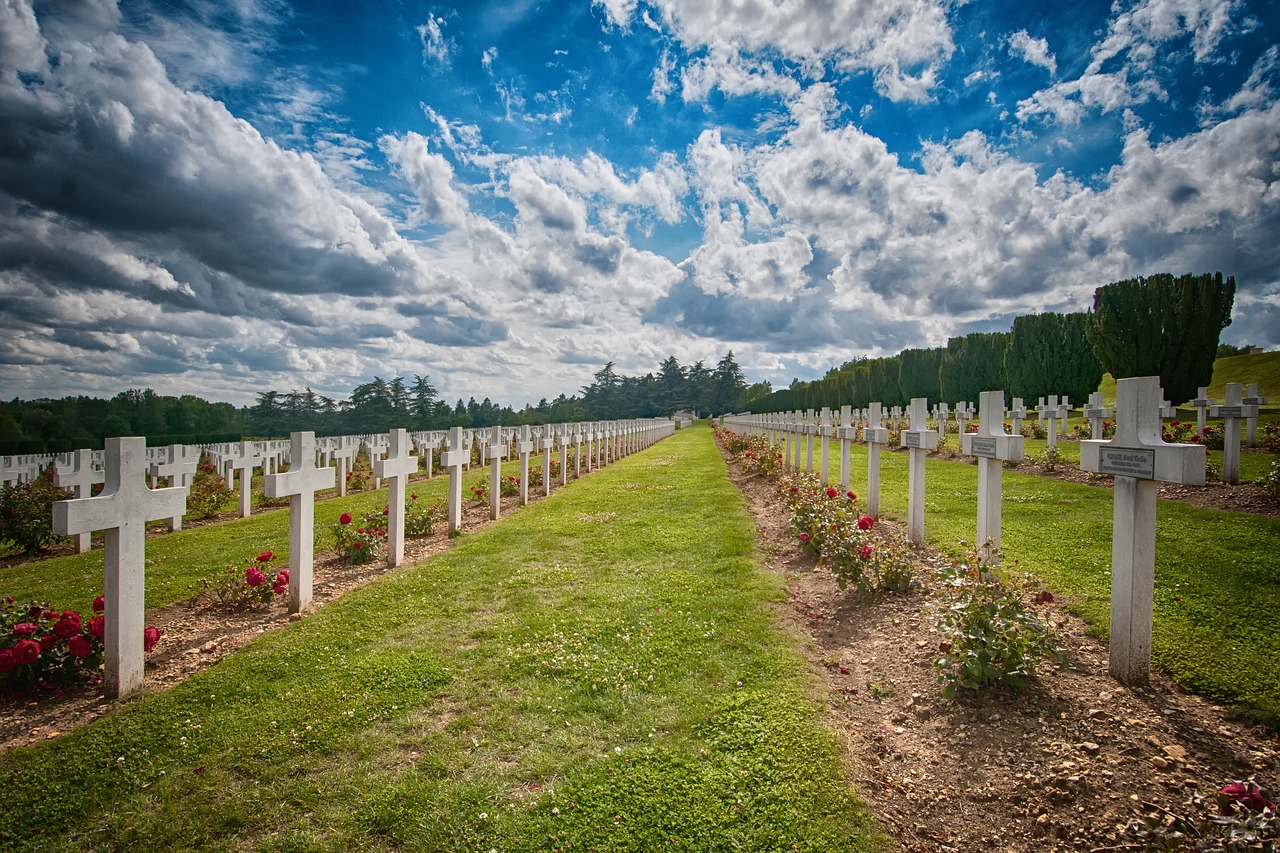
443	707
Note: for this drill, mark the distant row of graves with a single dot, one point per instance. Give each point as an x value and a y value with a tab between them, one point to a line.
296	470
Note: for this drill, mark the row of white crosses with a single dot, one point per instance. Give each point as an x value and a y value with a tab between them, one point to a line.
125	506
1137	457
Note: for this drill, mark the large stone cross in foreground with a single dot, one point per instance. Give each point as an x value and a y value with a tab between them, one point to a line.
1137	457
122	512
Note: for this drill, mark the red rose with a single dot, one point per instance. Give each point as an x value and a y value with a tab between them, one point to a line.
805	537
357	545
851	496
47	642
282	576
80	646
385	510
254	577
793	490
25	651
866	523
344	519
68	626
265	557
7	661
97	626
413	497
1044	597
100	604
866	552
150	636
832	491
24	629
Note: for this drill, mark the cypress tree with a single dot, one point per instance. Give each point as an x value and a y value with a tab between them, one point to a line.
1050	354
973	364
918	373
1162	326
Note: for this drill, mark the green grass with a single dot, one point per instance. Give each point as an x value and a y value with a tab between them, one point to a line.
598	672
1217	578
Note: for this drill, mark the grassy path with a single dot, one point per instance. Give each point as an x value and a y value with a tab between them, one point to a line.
598	672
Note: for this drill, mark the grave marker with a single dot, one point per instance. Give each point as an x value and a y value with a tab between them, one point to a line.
824	433
993	447
494	454
80	478
1202	403
453	459
179	469
1251	398
847	433
1097	412
875	435
1232	412
396	468
1138	457
243	463
920	439
1018	413
121	512
524	446
299	484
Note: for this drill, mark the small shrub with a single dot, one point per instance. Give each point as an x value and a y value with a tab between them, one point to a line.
1270	481
360	477
46	649
1238	817
1213	437
510	486
419	518
480	492
238	589
990	637
208	495
359	544
26	513
1269	437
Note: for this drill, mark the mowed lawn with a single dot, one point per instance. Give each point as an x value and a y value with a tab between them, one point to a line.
600	671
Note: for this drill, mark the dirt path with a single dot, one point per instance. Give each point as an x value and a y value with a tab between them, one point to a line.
1063	766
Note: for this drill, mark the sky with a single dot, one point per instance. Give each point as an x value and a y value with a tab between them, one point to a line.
223	198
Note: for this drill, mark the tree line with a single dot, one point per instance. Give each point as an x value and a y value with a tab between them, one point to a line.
1157	325
45	425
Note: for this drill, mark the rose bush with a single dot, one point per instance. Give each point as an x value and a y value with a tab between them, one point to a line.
42	648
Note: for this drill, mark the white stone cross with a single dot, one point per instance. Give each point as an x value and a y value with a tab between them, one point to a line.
243	464
562	438
80	478
179	468
1251	398
299	484
963	414
1202	403
810	430
993	447
524	446
920	439
1168	410
847	433
1064	411
122	511
1232	412
546	443
1138	457
396	470
1050	414
494	454
1097	412
940	414
1017	413
875	435
824	435
453	459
